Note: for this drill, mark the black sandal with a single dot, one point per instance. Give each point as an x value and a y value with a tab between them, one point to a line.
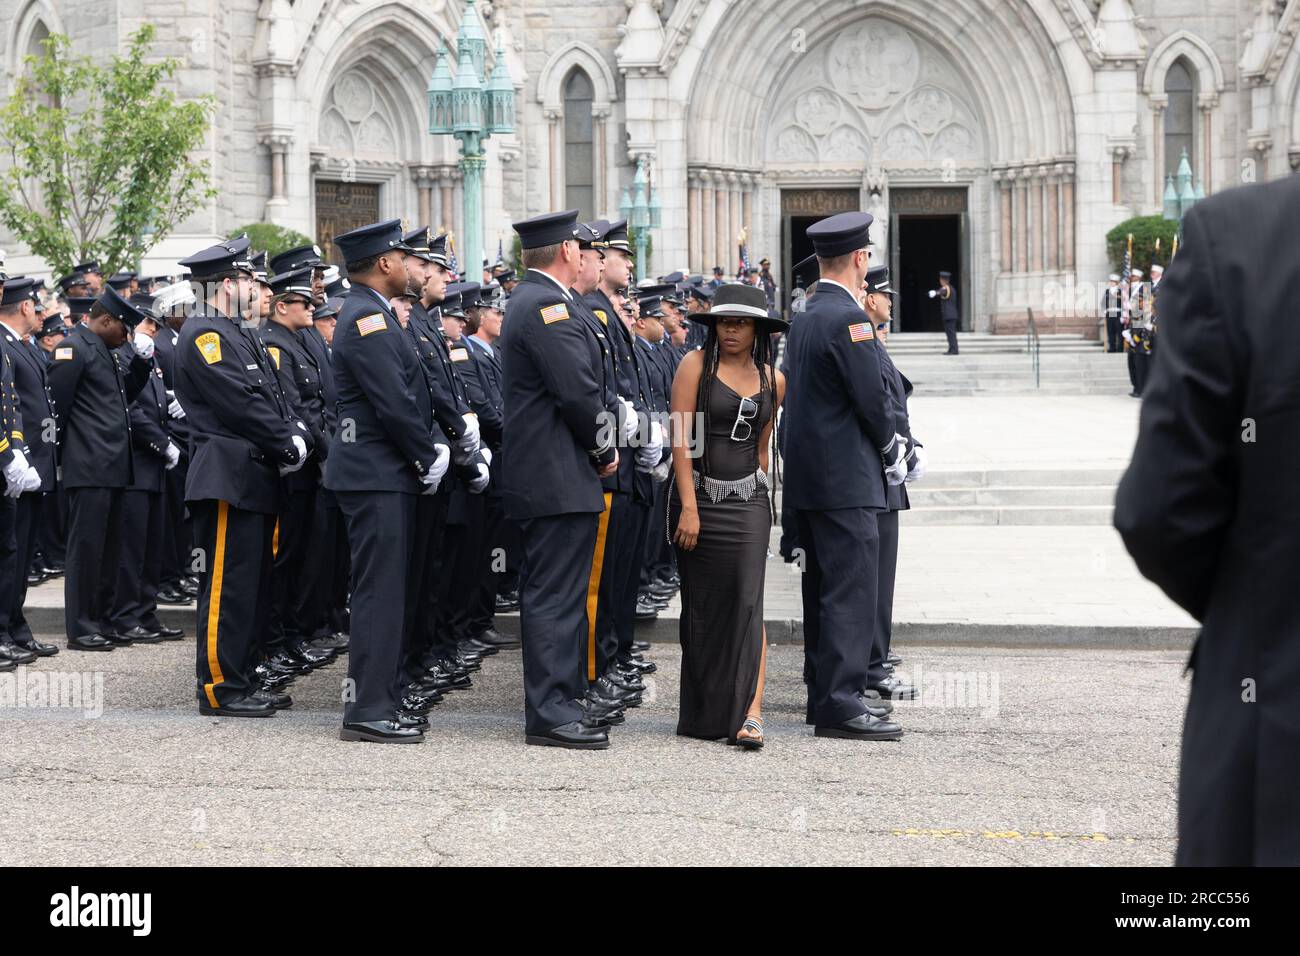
752	724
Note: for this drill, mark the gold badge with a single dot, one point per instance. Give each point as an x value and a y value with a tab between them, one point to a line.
600	314
555	313
274	352
209	344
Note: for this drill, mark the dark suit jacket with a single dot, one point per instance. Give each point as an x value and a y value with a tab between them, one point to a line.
839	410
37	407
555	431
92	394
1210	511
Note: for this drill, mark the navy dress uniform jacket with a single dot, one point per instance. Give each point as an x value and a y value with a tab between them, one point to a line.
300	383
556	431
92	396
36	405
149	438
900	389
1211	517
385	438
840	416
241	430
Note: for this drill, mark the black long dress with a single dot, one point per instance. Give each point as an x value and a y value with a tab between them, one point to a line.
722	578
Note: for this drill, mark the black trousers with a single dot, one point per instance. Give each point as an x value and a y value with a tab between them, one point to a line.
10	572
656	537
234	564
950	330
320	605
289	572
94	546
553	583
178	530
492	562
841	550
53	535
1139	360
459	574
887	523
139	571
1114	341
609	563
381	532
27	526
423	644
628	578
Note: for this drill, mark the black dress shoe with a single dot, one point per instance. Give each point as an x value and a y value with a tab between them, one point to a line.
891	688
443	680
624	683
36	647
474	646
495	638
172	597
190	586
413	721
381	732
862	727
574	735
34	579
893	659
506	603
15	654
876	706
286	662
249	706
414	703
646	611
169	633
640	646
6	666
277	699
89	642
269	673
137	635
596	712
338	641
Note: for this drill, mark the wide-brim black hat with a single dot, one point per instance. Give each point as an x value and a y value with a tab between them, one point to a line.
743	301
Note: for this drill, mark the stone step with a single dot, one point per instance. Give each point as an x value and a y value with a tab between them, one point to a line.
1022	478
1060	495
1011	515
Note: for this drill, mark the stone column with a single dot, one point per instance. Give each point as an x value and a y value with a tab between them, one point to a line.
278	145
708	219
1053	237
599	115
1004	218
1022	221
722	209
1158	104
447	197
733	211
555	155
1207	103
693	224
1067	202
423	177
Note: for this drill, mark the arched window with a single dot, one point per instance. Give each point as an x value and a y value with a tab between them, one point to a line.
1180	116
36	39
578	165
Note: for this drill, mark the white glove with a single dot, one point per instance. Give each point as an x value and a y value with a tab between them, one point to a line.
173	456
467	444
143	345
478	485
301	446
1127	336
918	466
174	408
31	480
629	420
648	455
660	471
932	293
16	468
431	478
13	488
896	473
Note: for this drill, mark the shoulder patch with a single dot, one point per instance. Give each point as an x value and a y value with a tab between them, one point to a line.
274	352
861	331
460	354
555	313
209	345
602	315
63	353
372	323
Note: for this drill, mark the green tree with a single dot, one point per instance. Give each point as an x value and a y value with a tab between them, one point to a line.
99	155
272	239
1146	230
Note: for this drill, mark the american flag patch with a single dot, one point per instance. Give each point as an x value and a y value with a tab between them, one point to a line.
372	323
554	313
459	355
861	331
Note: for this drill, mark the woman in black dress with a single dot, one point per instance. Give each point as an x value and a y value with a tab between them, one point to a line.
724	402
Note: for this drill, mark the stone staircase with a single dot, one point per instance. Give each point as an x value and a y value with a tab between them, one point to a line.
1062	496
1000	364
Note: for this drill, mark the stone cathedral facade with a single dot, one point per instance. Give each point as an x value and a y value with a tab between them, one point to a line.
998	139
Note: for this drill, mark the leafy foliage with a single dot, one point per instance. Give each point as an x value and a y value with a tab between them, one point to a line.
1146	230
272	239
99	154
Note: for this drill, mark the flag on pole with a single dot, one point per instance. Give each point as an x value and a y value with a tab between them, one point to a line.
501	255
1128	270
743	269
451	254
1173	250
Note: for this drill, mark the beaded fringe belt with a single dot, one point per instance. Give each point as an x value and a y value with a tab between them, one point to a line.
742	488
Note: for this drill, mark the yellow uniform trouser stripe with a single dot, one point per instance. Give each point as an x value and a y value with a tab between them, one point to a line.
593	586
275	540
214	603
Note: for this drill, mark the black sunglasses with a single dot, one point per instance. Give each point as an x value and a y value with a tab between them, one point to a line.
745	414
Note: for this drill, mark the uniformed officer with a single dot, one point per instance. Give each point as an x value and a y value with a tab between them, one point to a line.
948	312
558	445
52	533
134	613
92	387
300	382
881	683
841	437
1112	309
636	461
382	458
243	439
1137	329
22	477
